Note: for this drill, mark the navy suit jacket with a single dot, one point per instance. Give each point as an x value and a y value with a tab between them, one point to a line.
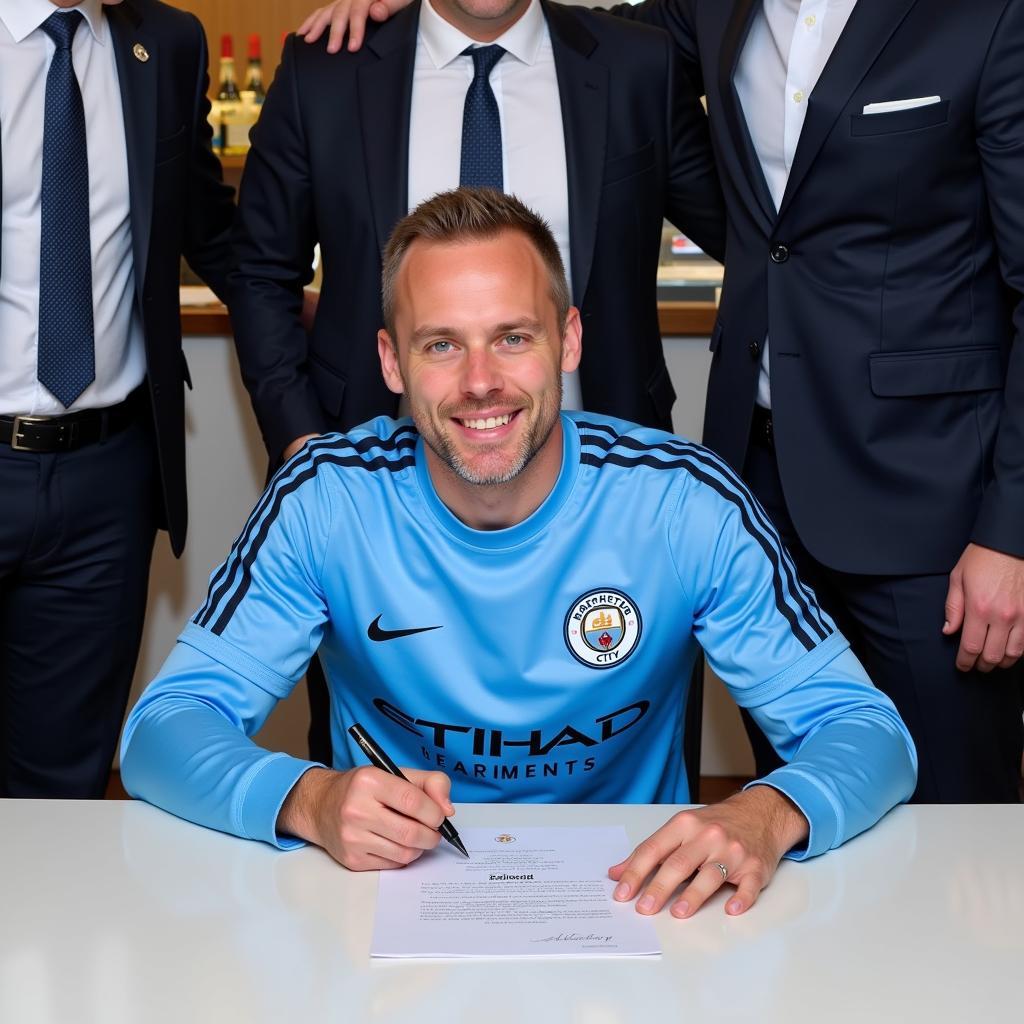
329	164
892	302
179	207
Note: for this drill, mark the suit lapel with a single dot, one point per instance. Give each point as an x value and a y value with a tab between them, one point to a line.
583	94
138	83
870	27
751	180
385	98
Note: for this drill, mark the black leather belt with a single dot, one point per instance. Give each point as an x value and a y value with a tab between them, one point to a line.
45	434
761	426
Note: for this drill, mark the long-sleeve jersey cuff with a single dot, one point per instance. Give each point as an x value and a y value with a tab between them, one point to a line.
823	817
259	802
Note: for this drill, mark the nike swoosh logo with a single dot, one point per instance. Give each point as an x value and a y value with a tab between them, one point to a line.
374	631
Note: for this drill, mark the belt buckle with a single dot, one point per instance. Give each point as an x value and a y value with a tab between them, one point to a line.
17	434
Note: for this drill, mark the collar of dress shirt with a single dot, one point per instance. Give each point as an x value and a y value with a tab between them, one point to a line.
22	17
444	42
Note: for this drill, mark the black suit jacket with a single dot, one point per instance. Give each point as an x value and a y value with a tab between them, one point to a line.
892	301
179	206
329	164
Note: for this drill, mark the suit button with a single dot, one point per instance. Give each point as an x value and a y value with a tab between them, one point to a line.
755	349
779	253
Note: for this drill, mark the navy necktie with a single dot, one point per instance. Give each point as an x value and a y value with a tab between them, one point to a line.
481	125
66	358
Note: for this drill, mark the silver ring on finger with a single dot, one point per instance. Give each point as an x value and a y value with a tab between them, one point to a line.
721	867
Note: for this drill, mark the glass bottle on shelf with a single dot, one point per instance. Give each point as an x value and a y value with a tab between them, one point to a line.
235	123
254	73
227	91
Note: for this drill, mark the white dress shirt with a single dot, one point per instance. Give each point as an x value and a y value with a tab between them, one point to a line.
525	87
788	45
25	54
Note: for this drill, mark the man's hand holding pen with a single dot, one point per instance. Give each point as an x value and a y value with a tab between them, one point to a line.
366	818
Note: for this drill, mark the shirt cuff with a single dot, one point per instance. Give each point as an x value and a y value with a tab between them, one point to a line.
824	819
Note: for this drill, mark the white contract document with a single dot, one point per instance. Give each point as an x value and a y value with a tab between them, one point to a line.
523	892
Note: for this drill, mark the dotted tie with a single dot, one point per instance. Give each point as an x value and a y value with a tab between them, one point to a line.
66	359
481	125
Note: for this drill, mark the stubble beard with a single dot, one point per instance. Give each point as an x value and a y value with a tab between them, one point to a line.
533	441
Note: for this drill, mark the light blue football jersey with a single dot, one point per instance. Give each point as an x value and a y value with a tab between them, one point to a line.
545	662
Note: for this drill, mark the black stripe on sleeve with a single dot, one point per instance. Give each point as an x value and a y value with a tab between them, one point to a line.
690	457
403	440
805	600
329	458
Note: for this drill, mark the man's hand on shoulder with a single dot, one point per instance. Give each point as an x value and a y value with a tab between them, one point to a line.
986	599
365	818
746	834
347	15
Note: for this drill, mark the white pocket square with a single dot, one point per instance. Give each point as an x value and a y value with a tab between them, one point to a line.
890	105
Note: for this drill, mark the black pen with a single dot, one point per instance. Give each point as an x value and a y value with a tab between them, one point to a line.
380	760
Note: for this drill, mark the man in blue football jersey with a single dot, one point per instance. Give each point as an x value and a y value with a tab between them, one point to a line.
513	595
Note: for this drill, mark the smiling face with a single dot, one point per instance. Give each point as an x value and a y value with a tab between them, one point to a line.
479	352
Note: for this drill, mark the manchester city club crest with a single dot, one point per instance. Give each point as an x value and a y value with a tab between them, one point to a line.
602	628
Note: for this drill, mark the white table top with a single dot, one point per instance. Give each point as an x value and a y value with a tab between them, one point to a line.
116	912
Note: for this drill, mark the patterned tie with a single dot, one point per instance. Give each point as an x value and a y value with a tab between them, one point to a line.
481	125
66	358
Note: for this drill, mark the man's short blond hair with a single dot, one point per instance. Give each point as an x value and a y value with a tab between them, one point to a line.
471	214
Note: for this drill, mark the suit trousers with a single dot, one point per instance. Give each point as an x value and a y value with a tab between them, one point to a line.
967	725
76	537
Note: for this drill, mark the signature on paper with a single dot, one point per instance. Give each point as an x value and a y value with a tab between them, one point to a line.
590	938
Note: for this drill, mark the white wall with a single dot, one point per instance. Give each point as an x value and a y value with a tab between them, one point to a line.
226	467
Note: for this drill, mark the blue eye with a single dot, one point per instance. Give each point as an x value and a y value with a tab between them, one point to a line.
441	347
514	339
